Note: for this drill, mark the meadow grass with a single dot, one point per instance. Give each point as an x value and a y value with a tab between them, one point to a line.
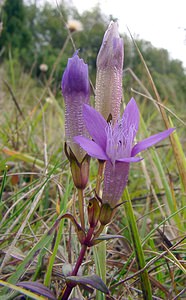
37	189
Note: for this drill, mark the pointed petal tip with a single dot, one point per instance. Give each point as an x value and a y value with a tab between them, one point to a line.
132	100
151	141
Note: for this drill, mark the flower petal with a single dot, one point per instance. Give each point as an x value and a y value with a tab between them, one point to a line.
152	140
75	77
96	125
130	159
130	119
91	147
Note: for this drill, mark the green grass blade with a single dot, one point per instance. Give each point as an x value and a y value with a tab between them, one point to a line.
100	263
13	279
68	190
20	290
140	259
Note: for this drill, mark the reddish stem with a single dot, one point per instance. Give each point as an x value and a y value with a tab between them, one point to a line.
84	247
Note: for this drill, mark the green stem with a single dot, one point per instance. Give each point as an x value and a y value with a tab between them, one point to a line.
140	259
81	208
99	176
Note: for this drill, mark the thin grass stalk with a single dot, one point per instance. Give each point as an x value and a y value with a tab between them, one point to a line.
3	184
19	232
148	236
28	159
179	159
19	289
12	73
100	263
100	250
140	259
180	156
59	231
158	164
48	274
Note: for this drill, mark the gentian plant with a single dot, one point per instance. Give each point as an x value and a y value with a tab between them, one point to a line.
111	138
101	134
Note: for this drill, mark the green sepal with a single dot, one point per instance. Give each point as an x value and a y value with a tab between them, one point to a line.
106	214
79	170
93	212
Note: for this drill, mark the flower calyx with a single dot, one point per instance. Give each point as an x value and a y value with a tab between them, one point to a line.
106	214
79	170
93	212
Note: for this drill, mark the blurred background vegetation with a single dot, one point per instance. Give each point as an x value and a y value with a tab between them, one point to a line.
35	34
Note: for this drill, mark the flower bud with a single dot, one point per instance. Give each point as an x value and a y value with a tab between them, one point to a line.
93	212
105	214
80	171
109	74
76	92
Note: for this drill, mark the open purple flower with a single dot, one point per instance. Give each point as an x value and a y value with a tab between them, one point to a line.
114	144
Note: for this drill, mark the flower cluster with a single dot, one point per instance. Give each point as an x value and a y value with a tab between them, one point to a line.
112	138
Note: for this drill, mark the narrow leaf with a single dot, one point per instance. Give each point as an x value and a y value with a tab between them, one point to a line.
106	237
38	288
9	296
92	280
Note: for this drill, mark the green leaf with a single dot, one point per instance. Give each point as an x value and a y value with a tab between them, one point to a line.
92	280
106	237
9	296
38	288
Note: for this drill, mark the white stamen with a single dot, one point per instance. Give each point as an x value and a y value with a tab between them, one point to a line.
119	140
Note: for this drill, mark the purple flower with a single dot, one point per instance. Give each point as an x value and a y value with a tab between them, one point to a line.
76	92
114	144
108	92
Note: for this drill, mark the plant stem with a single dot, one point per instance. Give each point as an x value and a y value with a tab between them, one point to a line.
84	247
99	176
81	208
140	259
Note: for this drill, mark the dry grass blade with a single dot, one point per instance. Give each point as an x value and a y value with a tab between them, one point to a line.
160	104
179	159
32	208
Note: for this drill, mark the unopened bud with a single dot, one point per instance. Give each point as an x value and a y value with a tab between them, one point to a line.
80	171
76	93
109	74
93	212
105	214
